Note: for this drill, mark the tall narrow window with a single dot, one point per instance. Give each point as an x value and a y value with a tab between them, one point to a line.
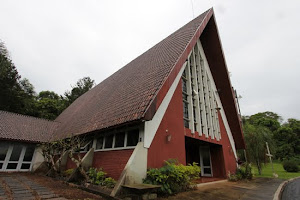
120	139
198	95
132	137
108	141
99	143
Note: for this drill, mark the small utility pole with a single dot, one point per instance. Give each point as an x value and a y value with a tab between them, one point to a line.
270	157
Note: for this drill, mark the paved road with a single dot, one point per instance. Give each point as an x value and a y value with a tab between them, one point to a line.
21	188
292	190
264	189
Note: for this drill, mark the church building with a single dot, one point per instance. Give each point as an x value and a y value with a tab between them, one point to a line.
175	101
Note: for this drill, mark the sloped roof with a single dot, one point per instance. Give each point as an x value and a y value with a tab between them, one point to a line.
25	128
127	94
135	91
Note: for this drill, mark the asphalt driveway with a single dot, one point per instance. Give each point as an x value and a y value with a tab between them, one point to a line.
291	190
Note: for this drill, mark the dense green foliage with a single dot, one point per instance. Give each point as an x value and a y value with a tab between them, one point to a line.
283	138
18	95
98	177
290	166
173	177
244	172
15	93
256	138
82	86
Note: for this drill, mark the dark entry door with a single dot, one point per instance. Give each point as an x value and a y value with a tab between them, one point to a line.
205	161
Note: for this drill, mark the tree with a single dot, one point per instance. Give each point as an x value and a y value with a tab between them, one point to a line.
16	95
28	96
287	139
294	124
54	152
10	97
256	138
267	119
82	86
49	104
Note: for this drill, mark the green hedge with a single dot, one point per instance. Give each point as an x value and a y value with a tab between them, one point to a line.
290	166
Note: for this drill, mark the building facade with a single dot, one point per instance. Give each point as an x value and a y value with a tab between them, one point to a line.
175	101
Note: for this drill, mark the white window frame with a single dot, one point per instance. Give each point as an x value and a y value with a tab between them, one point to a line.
19	162
201	97
126	130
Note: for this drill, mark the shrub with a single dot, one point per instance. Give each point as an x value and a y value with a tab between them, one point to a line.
290	166
244	172
109	182
173	177
68	172
98	177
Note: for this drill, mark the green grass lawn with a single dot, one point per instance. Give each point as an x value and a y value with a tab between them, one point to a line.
267	171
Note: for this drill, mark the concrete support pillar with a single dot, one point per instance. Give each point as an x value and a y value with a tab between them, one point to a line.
135	170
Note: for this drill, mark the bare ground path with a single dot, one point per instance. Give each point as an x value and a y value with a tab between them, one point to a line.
26	186
257	189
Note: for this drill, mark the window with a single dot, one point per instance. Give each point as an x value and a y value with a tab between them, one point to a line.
186	123
108	141
99	143
120	139
3	150
132	137
184	96
15	155
199	110
184	87
86	146
28	154
185	110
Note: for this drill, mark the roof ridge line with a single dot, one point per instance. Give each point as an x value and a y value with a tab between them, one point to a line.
163	82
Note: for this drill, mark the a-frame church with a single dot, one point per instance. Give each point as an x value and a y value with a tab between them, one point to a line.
175	101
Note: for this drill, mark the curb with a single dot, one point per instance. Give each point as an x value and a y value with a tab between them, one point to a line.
210	183
277	195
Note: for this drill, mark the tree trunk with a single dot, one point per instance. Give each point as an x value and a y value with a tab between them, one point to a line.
258	166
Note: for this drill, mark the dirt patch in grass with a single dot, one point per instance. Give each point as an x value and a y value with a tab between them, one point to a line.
61	188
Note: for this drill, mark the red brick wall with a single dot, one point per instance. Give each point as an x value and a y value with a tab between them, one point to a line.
112	162
160	149
71	164
223	159
229	159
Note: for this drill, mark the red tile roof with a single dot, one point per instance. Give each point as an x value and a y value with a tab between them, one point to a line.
25	128
135	91
127	94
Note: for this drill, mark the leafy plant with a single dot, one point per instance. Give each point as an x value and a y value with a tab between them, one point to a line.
68	172
290	166
109	182
242	173
98	177
173	177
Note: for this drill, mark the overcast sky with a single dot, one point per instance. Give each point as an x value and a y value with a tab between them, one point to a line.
55	43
